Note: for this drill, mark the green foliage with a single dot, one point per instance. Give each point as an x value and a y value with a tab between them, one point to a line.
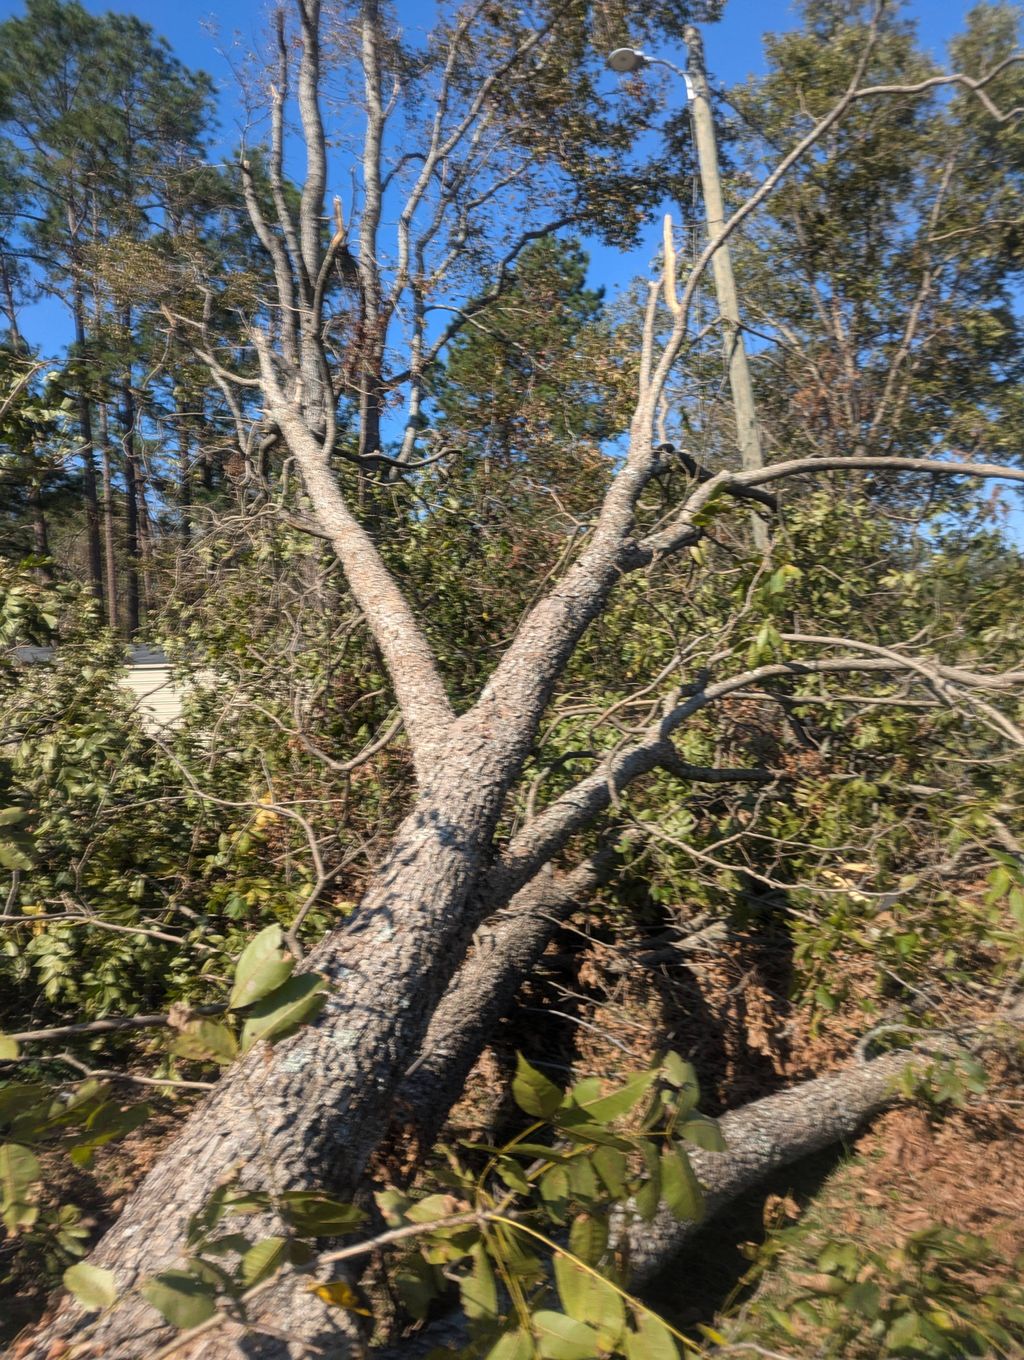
920	1300
37	1122
554	1186
165	872
599	1152
887	267
92	1286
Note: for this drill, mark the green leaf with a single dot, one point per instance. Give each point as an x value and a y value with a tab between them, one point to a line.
219	1280
180	1298
93	1287
417	1286
679	1186
582	1179
610	1165
683	1076
511	1173
902	1332
284	1010
588	1238
202	1040
554	1191
648	1197
263	1259
225	1199
606	1108
19	1099
479	1289
587	1089
108	1121
563	1338
864	1298
19	1173
704	1133
236	1244
261	968
517	1345
652	1340
588	1298
393	1206
1016	904
532	1091
15	856
9	1049
517	1259
313	1214
432	1208
779	579
841	1256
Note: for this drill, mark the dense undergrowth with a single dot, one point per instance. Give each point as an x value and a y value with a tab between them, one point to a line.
873	890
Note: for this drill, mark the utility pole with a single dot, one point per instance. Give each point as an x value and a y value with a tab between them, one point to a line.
747	433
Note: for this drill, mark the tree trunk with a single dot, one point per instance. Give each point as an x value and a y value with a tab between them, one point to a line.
109	529
762	1138
505	951
92	515
184	478
310	1112
40	537
131	508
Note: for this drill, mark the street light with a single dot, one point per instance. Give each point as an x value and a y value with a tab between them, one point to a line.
626	59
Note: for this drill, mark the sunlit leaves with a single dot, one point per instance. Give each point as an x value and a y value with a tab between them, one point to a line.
533	1092
564	1338
293	1004
262	966
203	1040
19	1176
93	1287
180	1298
651	1340
479	1288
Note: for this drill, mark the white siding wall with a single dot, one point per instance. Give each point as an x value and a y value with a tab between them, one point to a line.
159	698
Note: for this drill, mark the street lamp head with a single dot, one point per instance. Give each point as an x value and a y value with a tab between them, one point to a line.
626	59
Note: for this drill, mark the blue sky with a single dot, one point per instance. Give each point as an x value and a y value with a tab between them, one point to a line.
213	38
734	44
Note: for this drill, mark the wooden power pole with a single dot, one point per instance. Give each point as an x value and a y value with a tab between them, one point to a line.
747	433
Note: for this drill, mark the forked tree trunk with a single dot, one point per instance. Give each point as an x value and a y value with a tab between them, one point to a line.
505	952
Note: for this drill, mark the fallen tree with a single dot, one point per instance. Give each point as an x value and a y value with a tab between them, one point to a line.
401	1024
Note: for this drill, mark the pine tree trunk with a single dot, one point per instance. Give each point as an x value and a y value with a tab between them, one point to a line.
40	537
92	515
131	506
109	530
184	479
